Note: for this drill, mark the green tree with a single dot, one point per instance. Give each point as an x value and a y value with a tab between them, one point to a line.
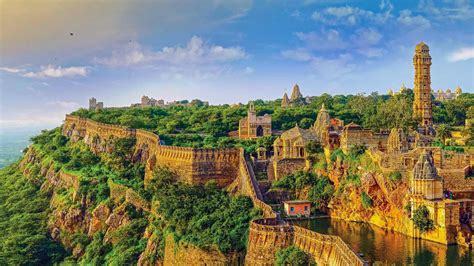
291	255
442	132
421	219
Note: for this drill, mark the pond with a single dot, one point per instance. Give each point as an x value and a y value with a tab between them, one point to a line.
384	247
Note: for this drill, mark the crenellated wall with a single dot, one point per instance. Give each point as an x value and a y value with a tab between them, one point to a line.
267	236
195	166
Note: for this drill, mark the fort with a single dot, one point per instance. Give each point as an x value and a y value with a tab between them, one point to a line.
428	172
225	166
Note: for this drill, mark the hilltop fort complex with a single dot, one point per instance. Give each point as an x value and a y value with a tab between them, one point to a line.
426	176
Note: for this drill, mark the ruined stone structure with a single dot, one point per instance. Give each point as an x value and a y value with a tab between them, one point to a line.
94	105
422	106
151	102
397	141
353	134
195	166
254	126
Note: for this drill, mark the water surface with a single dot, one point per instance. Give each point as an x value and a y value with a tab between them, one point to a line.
383	247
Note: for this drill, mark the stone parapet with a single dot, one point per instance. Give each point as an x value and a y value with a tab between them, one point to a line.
267	236
195	166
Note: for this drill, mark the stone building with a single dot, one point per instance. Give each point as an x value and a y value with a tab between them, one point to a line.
353	135
94	105
254	126
321	125
296	94
285	101
151	102
422	105
451	218
296	98
402	90
425	181
441	95
292	142
397	141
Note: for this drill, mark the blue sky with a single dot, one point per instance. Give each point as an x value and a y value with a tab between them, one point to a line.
54	55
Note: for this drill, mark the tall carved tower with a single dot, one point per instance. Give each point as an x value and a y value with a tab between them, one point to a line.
422	106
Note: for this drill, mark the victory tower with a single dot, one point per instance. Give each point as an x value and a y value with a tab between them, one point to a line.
422	106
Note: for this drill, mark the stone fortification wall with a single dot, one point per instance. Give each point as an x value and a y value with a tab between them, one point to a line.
287	166
120	192
325	249
248	185
187	254
195	166
267	236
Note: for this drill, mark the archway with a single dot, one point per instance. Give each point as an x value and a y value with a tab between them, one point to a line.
259	131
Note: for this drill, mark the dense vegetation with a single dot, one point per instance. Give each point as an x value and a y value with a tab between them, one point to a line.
24	209
203	215
320	187
208	126
291	255
421	219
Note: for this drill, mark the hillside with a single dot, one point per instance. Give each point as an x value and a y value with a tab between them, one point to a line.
93	199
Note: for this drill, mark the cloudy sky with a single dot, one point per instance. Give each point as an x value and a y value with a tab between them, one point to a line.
55	54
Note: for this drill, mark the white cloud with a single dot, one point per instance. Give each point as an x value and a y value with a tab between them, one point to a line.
324	40
417	21
366	36
462	54
299	54
11	70
348	15
51	71
452	10
195	52
333	68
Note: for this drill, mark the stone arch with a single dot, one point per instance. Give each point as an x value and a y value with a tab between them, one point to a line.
259	131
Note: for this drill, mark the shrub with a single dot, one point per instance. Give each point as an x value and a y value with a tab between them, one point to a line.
291	255
421	219
367	201
395	176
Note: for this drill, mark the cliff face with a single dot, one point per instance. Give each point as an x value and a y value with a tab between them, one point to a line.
388	199
72	213
77	219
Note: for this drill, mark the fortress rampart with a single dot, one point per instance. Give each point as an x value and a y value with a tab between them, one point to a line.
267	236
195	166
